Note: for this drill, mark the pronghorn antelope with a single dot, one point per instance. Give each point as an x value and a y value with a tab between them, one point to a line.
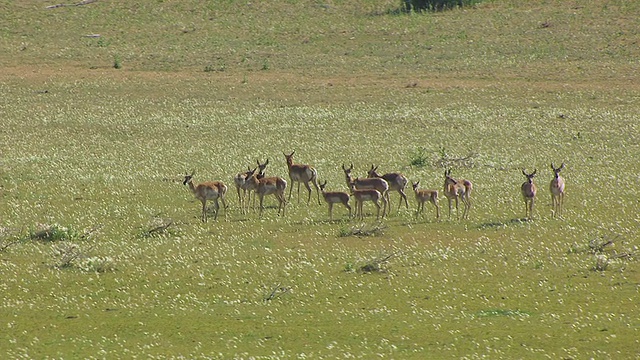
458	190
264	186
378	184
335	197
210	190
363	195
557	190
529	190
302	174
423	195
240	180
396	182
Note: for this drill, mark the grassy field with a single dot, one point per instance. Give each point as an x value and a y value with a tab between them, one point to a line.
102	251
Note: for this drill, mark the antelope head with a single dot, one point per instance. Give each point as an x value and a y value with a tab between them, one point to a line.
556	171
530	176
187	177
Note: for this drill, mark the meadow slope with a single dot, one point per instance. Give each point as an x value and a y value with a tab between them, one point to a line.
106	105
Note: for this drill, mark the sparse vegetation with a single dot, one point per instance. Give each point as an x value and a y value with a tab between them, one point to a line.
436	5
378	264
52	232
276	292
158	227
363	229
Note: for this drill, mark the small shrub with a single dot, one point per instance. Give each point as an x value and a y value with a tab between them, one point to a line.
70	255
211	68
602	262
117	64
445	160
67	254
362	230
419	157
102	42
436	5
98	264
377	265
50	233
158	227
371	267
8	238
345	231
349	267
276	292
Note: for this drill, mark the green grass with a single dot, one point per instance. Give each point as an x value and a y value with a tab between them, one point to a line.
100	153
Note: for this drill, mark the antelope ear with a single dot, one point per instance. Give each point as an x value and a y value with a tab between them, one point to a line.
193	172
266	163
562	166
524	173
553	167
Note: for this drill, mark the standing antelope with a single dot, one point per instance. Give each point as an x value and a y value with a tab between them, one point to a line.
264	186
240	181
458	190
396	181
363	195
378	184
210	190
557	190
335	197
302	174
423	195
529	190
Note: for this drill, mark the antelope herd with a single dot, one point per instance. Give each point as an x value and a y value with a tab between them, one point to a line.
374	188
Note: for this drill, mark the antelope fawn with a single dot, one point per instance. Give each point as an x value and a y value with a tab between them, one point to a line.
210	190
378	184
423	195
529	190
458	190
335	197
302	174
264	186
363	195
396	181
557	191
